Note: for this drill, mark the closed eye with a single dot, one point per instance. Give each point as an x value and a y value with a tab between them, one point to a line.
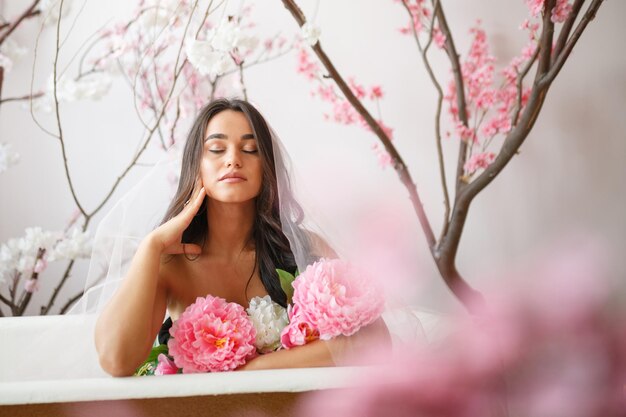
250	150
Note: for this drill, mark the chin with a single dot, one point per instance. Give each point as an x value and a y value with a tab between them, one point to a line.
232	198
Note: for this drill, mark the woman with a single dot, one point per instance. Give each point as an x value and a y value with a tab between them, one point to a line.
222	235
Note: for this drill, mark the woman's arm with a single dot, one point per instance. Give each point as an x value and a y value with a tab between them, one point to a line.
337	351
128	325
311	355
124	330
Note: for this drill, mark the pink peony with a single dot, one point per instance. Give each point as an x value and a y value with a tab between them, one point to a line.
299	331
336	298
166	366
212	335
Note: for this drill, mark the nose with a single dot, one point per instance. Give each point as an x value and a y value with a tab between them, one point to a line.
233	159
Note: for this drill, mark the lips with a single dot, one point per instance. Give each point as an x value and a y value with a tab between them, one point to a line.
232	176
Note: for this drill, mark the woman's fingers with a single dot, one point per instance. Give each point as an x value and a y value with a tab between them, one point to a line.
192	205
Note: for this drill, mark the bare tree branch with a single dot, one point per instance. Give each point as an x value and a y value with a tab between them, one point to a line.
7	301
460	91
66	275
58	114
545	41
29	12
424	55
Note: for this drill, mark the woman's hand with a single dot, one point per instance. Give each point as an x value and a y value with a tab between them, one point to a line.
168	235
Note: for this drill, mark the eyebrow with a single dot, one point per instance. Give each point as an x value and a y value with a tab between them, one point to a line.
223	136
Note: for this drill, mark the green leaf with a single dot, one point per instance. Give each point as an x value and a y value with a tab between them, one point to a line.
156	351
286	283
149	365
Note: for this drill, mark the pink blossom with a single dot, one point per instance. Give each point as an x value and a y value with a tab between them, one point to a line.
166	366
561	11
337	298
306	66
376	92
535	7
467	134
327	93
357	89
40	266
299	331
32	285
418	12
439	37
212	335
480	160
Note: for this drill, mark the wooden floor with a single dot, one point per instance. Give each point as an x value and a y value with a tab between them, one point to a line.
241	405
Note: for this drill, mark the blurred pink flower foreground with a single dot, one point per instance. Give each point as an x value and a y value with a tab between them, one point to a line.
212	335
551	344
336	298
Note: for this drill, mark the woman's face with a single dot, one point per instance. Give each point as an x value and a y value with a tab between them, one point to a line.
230	170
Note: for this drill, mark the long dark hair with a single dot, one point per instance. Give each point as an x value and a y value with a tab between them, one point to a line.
271	244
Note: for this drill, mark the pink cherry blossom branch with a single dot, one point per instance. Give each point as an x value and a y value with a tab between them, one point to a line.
519	133
589	15
567	28
470	297
88	216
520	81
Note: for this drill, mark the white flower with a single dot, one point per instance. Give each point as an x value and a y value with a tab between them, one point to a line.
8	158
155	18
5	62
10	52
50	10
310	33
269	320
225	37
76	245
206	60
19	255
248	42
92	86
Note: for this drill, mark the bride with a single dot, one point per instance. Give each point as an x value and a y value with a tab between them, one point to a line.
233	221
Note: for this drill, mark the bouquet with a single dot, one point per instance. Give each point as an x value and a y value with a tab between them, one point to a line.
211	335
330	298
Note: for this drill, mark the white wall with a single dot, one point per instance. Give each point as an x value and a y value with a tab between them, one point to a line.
570	174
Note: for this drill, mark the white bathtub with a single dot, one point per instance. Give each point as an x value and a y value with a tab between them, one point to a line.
51	382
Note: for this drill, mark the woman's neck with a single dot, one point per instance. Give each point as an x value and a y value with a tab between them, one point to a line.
230	228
